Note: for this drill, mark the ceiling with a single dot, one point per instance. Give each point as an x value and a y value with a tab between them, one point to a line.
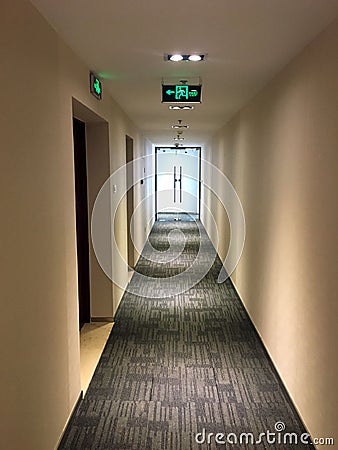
246	41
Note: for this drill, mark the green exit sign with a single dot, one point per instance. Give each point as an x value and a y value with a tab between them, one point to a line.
95	86
181	93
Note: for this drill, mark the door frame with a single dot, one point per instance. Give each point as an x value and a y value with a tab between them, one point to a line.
199	149
101	296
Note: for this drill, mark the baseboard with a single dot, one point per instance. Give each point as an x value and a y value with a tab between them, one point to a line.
101	319
69	419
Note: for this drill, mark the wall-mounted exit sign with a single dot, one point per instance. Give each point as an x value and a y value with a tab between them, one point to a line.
181	93
95	86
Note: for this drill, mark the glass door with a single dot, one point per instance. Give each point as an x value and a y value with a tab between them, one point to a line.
177	180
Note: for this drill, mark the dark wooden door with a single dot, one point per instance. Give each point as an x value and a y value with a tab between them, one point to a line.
82	235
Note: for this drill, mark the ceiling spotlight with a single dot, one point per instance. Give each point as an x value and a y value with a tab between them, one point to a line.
175	57
179	136
195	58
181	107
179	125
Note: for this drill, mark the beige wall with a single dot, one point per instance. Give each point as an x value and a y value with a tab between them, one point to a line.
281	154
40	377
101	288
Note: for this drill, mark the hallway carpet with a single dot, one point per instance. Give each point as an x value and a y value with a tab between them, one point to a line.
181	365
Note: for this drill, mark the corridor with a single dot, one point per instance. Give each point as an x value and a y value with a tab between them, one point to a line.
177	365
117	119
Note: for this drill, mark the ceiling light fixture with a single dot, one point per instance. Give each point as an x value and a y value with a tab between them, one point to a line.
179	125
195	58
181	107
176	57
179	136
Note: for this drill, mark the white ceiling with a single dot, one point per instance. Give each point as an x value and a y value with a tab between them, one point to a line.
246	41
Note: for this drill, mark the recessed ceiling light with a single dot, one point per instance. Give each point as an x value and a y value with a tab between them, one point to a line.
175	57
181	107
178	57
179	138
195	58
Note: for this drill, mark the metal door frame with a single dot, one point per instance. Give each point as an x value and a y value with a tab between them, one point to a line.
199	172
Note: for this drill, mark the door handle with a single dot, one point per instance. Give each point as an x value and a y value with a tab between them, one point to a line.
175	184
180	184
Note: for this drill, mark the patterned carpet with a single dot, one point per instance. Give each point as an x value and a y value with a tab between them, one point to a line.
175	366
